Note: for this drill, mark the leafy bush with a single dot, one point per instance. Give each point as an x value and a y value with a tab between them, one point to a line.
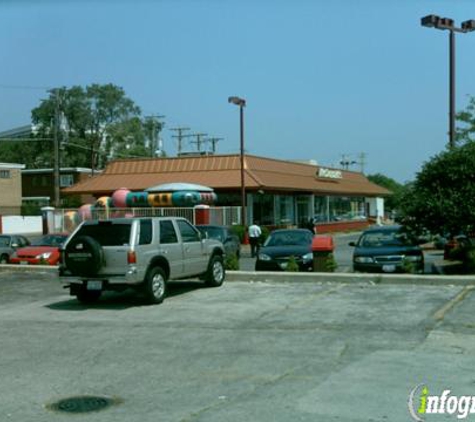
330	263
292	265
239	230
30	209
265	234
231	262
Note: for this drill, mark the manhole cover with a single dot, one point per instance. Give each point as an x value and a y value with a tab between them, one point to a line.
83	404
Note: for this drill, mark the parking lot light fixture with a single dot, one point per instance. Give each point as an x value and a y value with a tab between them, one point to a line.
434	21
241	103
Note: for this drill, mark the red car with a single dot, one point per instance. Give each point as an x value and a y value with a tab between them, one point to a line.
44	251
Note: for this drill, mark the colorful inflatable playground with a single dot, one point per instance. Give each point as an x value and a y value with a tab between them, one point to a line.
168	195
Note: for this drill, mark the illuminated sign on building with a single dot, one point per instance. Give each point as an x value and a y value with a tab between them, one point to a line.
329	174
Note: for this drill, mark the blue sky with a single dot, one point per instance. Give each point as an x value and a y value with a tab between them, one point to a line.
321	78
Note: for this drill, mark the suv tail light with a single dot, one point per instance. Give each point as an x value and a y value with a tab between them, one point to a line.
131	257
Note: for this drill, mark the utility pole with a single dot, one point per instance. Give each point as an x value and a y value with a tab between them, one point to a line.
56	142
362	161
345	162
213	142
157	126
180	136
199	140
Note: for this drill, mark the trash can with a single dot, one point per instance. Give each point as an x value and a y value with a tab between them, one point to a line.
322	248
201	214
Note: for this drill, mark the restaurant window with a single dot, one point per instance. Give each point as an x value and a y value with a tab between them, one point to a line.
346	208
284	209
263	208
321	209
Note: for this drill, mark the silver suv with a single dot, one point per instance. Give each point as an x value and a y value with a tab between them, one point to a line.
143	253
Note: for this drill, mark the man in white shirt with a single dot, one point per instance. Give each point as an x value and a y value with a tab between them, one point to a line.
254	233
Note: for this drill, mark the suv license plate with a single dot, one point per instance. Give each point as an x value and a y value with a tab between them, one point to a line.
389	268
94	285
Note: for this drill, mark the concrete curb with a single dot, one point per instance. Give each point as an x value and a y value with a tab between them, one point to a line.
13	268
351	278
288	277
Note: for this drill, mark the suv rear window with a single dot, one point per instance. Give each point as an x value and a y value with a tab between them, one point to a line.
107	234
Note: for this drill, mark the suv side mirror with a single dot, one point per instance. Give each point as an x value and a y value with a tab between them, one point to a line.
352	244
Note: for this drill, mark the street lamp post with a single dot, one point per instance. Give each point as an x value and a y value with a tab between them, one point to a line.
241	103
433	21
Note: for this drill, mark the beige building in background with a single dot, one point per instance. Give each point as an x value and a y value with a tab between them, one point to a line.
10	188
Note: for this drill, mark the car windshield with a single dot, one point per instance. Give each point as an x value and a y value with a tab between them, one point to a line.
4	241
213	233
299	238
49	240
379	239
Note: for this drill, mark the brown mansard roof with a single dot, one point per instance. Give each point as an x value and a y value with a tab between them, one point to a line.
223	172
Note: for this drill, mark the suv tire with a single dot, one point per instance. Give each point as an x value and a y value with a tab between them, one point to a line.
215	275
84	256
155	286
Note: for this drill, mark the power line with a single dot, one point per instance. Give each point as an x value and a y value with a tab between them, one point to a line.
180	136
157	125
213	142
199	140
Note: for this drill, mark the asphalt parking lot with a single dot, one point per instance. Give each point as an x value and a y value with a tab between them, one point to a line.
245	351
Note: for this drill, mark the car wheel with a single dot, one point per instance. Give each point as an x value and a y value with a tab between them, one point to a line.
216	272
88	296
4	259
155	286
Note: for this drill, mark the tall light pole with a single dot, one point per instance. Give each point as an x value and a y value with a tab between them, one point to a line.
241	103
433	21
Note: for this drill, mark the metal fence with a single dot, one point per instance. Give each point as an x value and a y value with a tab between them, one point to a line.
66	220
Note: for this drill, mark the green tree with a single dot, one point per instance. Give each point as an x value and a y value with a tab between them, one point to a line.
396	188
465	132
442	198
98	123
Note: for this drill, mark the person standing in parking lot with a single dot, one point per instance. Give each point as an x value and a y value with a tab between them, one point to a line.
254	233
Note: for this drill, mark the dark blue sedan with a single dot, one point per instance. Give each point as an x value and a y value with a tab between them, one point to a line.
387	249
281	245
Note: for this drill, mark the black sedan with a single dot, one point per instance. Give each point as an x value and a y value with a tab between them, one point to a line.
387	249
281	245
225	236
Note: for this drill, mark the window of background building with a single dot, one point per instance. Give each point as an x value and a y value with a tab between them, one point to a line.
5	174
66	180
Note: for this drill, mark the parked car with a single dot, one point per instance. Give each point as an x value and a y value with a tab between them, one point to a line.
275	254
8	245
387	249
140	253
457	246
44	250
231	242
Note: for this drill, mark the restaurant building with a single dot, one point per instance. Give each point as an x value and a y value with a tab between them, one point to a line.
277	192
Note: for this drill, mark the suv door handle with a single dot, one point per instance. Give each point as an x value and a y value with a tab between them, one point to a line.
163	251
